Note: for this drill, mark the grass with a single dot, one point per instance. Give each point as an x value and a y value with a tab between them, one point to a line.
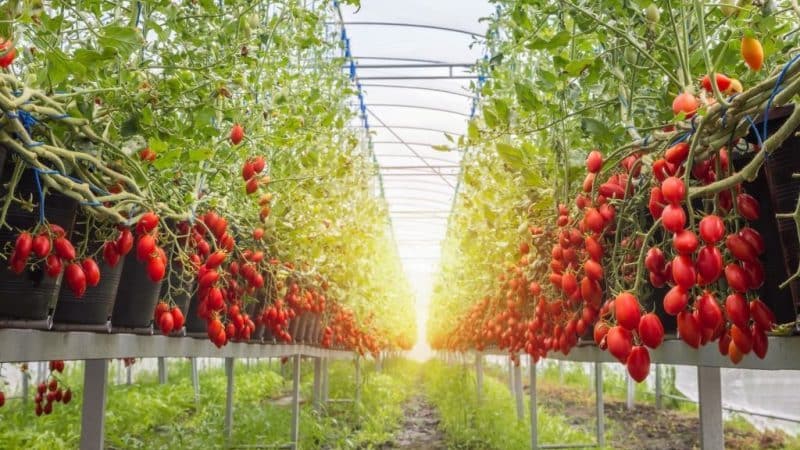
147	415
493	423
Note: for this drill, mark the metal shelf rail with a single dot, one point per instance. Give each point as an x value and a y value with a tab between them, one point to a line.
23	345
783	355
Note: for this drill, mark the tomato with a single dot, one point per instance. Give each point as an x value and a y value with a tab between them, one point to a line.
258	163
709	264
92	271
208	279
594	162
724	343
734	353
147	223
145	247
689	329
8	54
593	248
762	315
760	341
156	267
110	254
677	153
216	259
752	53
627	311
683	271
638	363
673	218
41	245
685	242
161	308
709	312
737	310
76	279
755	273
166	323
214	298
753	238
685	103
611	190
657	280
147	155
237	134
654	261
620	342
673	190
675	300
748	206
723	82
740	248
67	397
742	338
124	242
569	283
712	228
593	270
64	249
736	277
593	220
53	265
651	330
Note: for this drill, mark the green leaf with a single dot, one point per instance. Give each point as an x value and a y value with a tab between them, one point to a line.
200	154
441	148
510	154
594	127
125	40
575	67
503	115
490	118
472	130
525	97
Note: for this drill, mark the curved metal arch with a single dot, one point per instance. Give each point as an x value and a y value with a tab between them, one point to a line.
414	25
429	108
409	143
390	58
395	155
421	88
408	127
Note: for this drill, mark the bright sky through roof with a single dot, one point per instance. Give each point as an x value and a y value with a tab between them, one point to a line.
419	182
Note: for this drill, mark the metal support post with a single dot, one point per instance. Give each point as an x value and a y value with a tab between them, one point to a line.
518	392
317	383
510	375
162	371
95	378
379	363
25	383
658	387
709	387
599	406
479	374
229	399
129	375
534	418
195	379
296	402
629	392
358	380
561	372
325	389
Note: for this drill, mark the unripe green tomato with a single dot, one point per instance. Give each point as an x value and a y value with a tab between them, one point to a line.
630	55
652	13
728	7
254	20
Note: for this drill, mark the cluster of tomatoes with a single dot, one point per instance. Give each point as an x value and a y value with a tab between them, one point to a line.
147	249
53	391
51	246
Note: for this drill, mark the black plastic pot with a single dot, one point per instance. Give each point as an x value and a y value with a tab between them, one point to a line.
137	296
97	304
194	323
777	192
183	285
30	296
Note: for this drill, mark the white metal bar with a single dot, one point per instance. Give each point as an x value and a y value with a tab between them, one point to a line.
659	394
479	375
534	415
325	389
25	386
518	392
630	391
162	370
709	387
317	383
18	345
296	402
599	405
229	399
195	379
129	375
95	379
358	380
510	375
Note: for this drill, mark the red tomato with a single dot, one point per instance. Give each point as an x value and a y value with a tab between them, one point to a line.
92	271
673	190
737	310
147	223
723	82
683	271
712	228
742	338
709	312
753	238
748	206
638	363
740	248
685	242
620	342
762	315
627	311
76	279
689	329
685	103
593	270
677	153
709	264
237	134
736	277
651	330
156	267
760	342
594	162
145	247
124	242
675	300
110	254
673	218
655	261
53	265
64	249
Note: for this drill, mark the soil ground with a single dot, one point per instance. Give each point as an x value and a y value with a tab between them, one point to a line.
645	428
420	430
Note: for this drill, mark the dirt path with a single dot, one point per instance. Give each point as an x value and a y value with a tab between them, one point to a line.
645	427
420	430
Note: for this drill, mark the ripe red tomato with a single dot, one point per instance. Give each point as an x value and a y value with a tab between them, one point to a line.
177	318
753	238
673	190
651	330
216	259
654	261
156	267
740	248
593	248
723	82
600	332
760	342
638	363
736	277
748	206
712	228
569	283
146	154
762	315
64	249
147	223
76	279
8	55
248	171
251	186
53	265
594	220
110	254
742	338
237	134
709	312
709	264
685	103
124	242
145	247
620	342
41	245
689	329
737	310
258	163
675	300
593	270
683	271
677	153
594	162
92	271
685	242
673	218
734	353
755	273
627	311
